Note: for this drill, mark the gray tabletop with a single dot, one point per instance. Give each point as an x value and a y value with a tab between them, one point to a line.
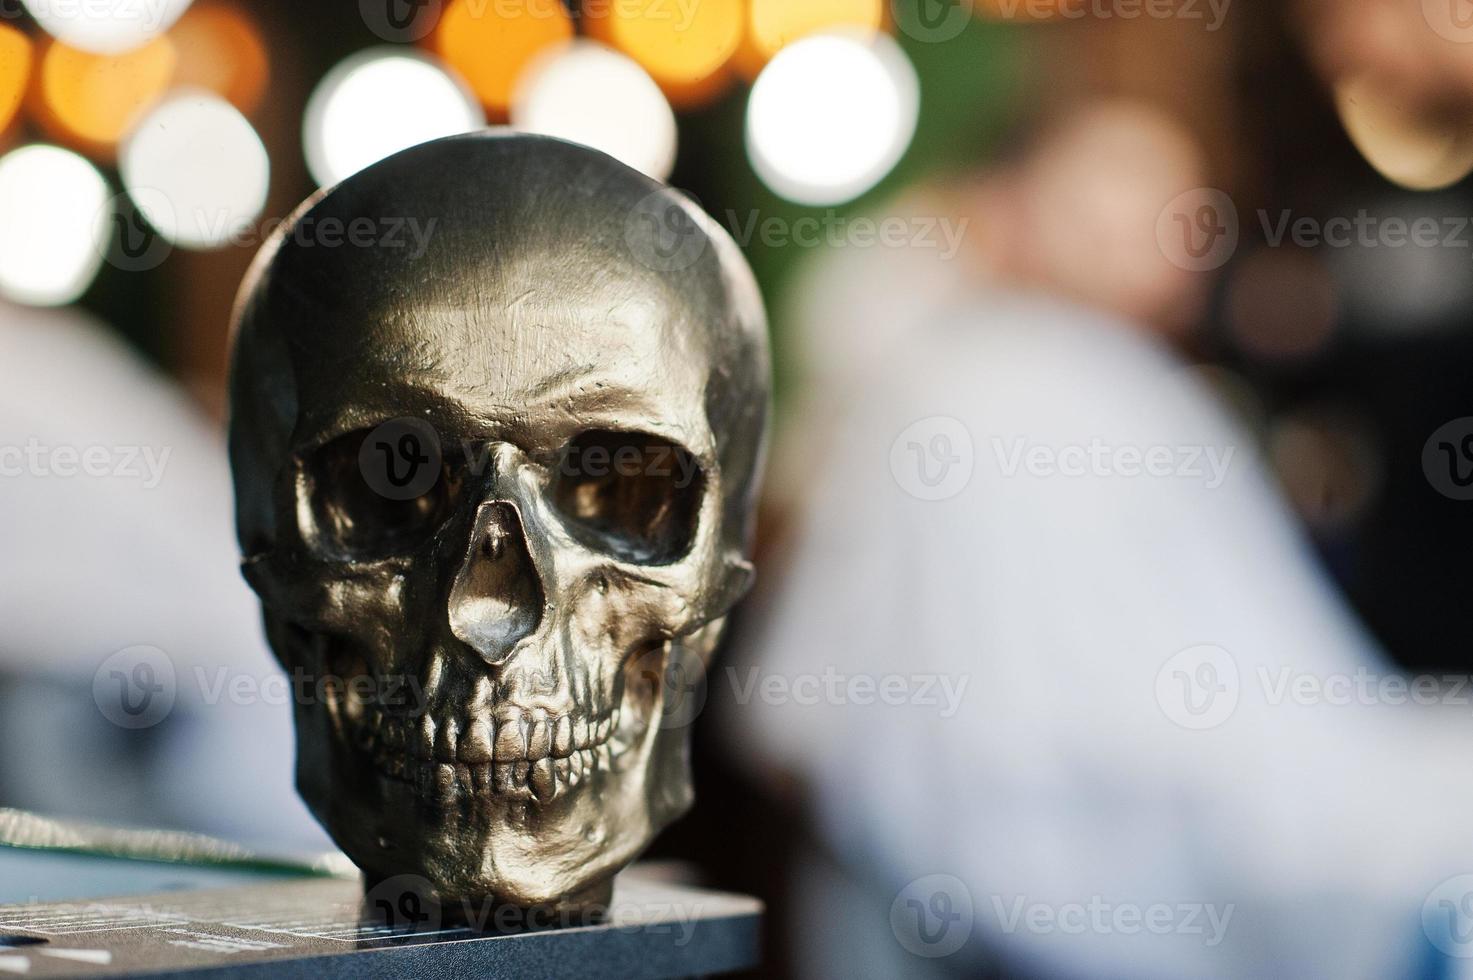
279	926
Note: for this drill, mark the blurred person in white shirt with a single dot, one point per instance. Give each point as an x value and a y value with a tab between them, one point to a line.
1046	629
116	517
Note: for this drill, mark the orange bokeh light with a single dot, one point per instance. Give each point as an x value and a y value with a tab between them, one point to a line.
91	100
774	24
15	71
686	50
490	43
220	49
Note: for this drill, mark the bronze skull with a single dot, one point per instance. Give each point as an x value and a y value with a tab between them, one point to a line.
507	472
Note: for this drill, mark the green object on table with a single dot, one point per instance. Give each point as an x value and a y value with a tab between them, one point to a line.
46	858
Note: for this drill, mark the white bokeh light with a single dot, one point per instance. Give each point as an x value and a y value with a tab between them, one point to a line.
830	116
590	94
379	102
54	211
198	154
106	26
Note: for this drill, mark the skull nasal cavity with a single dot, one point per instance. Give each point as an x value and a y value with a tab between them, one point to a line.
497	598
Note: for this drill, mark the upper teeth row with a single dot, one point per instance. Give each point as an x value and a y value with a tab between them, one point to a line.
509	735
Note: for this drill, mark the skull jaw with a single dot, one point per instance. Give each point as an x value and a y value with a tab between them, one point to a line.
472	852
592	906
484	853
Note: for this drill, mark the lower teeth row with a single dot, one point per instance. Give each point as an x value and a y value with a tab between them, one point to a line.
544	778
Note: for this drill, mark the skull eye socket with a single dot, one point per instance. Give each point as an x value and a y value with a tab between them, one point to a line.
380	492
631	494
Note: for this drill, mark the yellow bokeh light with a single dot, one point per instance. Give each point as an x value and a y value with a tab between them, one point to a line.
91	100
774	24
1419	148
220	49
15	71
685	48
490	44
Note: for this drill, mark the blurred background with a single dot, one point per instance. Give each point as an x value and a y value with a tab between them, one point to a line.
1266	203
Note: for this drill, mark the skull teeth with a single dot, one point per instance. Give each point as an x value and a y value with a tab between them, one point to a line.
539	735
476	747
542	780
508	736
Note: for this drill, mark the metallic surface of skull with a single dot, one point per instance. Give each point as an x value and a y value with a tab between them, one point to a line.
497	415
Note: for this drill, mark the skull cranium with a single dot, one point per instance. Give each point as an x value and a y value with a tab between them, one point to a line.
513	476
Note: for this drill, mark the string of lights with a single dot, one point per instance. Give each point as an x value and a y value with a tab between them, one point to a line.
138	110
